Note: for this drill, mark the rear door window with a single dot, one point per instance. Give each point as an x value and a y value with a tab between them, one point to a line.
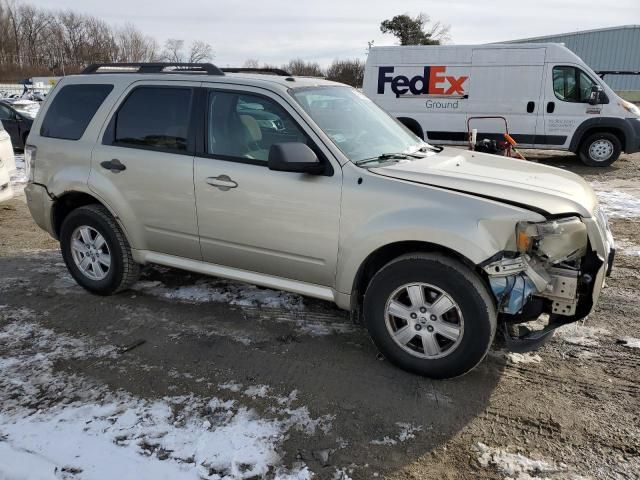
155	118
72	109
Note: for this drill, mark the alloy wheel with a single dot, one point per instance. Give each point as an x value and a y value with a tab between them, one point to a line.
424	320
90	252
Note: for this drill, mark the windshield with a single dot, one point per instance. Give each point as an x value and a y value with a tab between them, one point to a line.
358	127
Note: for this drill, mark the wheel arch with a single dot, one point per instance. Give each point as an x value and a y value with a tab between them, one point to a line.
616	126
413	125
69	201
386	253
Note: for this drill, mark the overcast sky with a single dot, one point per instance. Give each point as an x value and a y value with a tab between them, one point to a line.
275	31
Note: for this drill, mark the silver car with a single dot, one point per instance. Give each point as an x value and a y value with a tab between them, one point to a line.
305	185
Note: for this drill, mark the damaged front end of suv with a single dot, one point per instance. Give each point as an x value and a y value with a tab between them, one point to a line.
558	268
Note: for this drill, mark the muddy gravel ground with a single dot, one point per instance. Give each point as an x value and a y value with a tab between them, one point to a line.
570	410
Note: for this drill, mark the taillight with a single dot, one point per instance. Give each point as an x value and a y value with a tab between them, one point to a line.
30	161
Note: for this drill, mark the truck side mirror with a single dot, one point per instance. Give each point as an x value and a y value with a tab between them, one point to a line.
595	97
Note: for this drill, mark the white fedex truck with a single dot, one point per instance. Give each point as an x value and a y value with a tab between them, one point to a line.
550	98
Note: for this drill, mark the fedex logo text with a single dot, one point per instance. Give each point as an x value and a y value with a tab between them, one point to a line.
433	81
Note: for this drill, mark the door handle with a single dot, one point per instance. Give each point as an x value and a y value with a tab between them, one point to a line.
551	106
223	182
114	165
531	106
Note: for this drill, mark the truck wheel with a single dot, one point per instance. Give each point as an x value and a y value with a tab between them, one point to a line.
600	149
430	315
96	251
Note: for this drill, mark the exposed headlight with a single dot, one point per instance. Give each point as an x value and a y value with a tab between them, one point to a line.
553	241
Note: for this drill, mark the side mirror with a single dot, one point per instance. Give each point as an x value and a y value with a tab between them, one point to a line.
595	97
294	157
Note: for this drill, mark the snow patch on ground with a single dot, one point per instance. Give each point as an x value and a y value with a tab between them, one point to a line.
341	474
630	342
249	296
517	358
407	432
627	247
518	467
257	391
231	386
18	177
317	328
222	291
578	334
616	203
53	424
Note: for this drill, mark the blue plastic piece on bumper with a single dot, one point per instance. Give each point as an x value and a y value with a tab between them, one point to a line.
512	292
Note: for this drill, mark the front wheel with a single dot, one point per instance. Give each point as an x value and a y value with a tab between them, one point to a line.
96	251
430	315
600	149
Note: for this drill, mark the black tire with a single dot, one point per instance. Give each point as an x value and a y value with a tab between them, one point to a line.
122	272
609	139
463	285
24	139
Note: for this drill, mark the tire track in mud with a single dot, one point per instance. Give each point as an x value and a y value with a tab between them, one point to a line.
552	431
543	378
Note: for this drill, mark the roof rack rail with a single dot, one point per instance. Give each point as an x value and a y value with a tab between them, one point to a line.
155	67
267	71
602	73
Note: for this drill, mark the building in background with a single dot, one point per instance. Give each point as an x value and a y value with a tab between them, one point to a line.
605	49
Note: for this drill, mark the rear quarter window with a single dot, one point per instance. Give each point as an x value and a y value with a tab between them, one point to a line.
72	109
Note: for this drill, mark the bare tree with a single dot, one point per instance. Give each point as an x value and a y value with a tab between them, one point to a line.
251	63
350	72
299	67
133	46
36	41
173	50
200	52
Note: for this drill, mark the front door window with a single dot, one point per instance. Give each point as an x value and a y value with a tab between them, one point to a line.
243	127
570	84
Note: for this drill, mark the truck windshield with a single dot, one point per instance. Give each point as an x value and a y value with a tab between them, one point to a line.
359	128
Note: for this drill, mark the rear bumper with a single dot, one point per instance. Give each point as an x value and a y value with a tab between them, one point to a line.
40	205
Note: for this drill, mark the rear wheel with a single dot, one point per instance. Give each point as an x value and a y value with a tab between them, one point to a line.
430	315
600	149
96	251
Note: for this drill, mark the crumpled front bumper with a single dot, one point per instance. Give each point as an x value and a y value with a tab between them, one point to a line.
526	285
603	244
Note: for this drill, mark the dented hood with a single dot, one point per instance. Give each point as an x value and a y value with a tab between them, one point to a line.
531	185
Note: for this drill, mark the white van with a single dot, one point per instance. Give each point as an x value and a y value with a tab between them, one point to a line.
550	98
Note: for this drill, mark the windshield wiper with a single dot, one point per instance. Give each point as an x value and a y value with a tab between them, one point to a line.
388	156
428	148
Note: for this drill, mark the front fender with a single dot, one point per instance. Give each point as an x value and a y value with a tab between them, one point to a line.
387	211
